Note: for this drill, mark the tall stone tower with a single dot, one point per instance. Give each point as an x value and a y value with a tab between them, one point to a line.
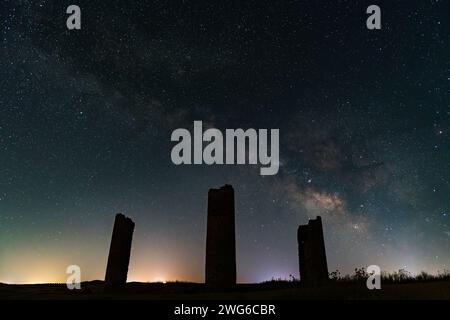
220	269
311	253
119	252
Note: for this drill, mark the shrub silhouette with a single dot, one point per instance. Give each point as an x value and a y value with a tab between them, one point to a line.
360	275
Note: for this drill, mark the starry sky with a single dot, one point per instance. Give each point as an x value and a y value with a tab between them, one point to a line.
86	118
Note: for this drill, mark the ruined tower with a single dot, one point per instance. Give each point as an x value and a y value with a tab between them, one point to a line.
119	252
220	269
311	253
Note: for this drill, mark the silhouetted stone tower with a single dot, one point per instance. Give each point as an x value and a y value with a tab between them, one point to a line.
220	269
311	253
119	252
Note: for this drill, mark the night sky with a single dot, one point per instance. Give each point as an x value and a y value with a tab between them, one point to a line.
86	118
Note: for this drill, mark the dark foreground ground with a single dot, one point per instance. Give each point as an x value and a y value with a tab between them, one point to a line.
189	291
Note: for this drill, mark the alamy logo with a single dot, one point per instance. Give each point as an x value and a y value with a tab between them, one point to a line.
237	143
374	20
74	20
74	278
374	279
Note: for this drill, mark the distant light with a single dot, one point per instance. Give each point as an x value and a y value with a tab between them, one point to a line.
7	281
160	280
